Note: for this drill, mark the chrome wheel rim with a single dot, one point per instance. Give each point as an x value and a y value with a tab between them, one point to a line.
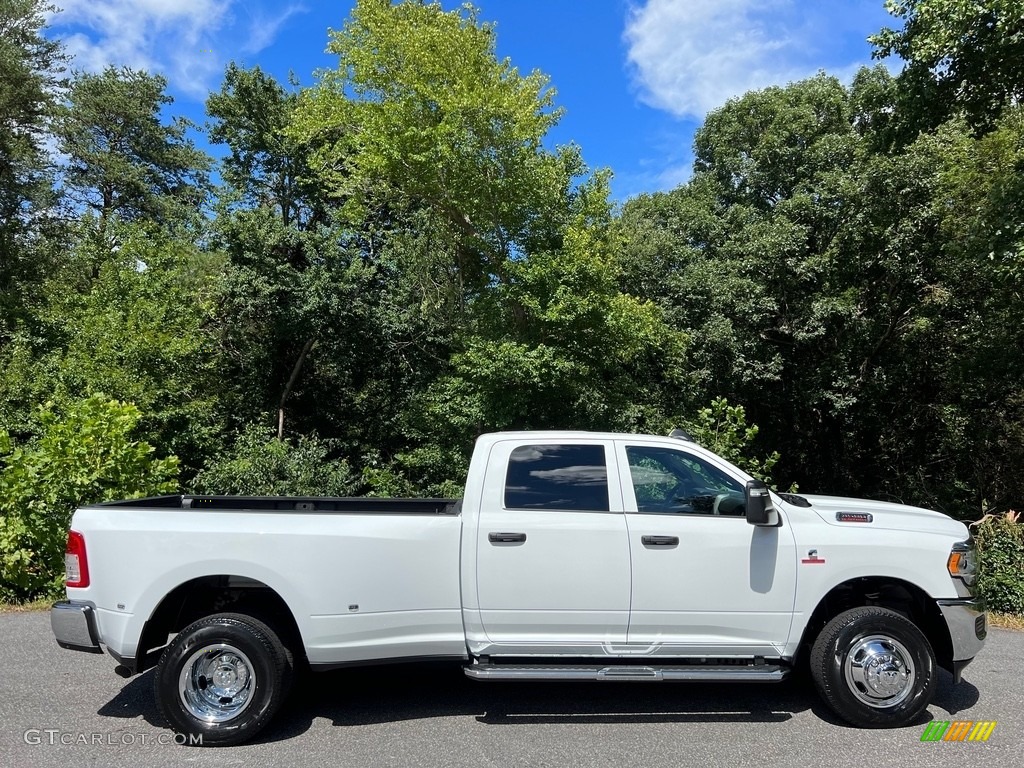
879	671
217	683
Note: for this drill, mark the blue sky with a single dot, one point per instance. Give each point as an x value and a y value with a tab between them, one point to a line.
636	77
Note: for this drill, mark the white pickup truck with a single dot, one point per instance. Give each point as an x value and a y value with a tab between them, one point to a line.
572	556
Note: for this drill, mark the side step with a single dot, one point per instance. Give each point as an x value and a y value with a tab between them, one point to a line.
694	673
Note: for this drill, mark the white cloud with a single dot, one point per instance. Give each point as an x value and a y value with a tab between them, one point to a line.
690	56
673	176
187	41
263	29
649	178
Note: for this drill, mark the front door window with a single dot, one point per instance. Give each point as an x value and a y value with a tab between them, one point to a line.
670	481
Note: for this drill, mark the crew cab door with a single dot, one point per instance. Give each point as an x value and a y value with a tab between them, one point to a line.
704	581
552	555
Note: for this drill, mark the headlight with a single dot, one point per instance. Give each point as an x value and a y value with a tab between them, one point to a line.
961	563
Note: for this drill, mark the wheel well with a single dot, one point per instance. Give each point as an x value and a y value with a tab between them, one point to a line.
903	597
207	595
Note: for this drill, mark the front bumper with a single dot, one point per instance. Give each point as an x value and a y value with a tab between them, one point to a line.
74	626
968	627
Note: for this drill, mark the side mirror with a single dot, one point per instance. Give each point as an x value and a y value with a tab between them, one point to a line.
760	510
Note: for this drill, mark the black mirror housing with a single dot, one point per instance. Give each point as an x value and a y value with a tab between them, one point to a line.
759	507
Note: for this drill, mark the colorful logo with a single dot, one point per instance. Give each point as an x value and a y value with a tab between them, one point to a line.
812	558
958	730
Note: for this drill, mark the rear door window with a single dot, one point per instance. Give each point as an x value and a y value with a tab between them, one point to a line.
557	477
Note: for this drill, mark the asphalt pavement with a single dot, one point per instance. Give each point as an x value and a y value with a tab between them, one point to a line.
63	708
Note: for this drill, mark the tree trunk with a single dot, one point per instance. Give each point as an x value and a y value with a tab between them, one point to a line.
288	387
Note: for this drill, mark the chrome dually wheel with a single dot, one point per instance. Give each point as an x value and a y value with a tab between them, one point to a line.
879	671
217	683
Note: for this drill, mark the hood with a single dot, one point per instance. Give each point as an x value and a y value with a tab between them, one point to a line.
886	515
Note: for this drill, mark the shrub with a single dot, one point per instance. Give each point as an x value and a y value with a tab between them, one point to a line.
723	428
259	464
1000	547
81	455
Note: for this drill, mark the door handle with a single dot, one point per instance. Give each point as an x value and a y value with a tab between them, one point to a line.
659	541
506	538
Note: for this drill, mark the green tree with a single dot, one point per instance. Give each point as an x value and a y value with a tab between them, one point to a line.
556	345
30	71
317	320
122	159
268	221
978	205
770	146
266	168
81	455
502	249
269	317
962	57
1000	547
420	114
854	285
137	321
796	259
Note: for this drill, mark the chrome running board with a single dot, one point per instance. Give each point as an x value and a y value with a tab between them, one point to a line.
695	673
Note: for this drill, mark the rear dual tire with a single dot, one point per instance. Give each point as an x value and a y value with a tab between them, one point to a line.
222	679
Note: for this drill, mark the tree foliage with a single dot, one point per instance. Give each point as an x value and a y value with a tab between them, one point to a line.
122	159
30	72
137	322
962	56
317	322
266	168
80	455
723	428
397	259
401	125
999	540
855	295
260	464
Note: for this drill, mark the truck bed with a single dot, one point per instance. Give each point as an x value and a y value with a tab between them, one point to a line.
364	505
364	578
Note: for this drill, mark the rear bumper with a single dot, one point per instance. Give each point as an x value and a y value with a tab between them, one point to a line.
74	626
968	627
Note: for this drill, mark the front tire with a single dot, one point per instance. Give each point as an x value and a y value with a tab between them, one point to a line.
874	667
222	679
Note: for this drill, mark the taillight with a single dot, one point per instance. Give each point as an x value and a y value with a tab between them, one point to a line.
76	565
